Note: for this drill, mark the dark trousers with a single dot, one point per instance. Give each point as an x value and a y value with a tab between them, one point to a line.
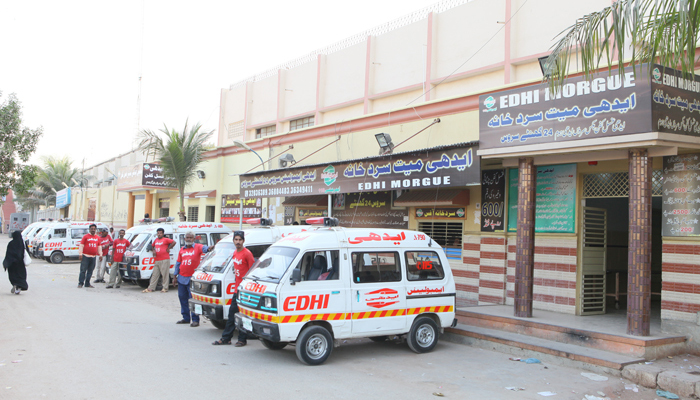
184	294
231	324
87	265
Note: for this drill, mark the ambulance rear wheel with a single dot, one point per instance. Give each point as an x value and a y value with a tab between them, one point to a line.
314	345
218	324
56	257
273	345
423	336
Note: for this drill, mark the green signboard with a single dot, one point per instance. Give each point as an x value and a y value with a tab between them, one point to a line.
555	203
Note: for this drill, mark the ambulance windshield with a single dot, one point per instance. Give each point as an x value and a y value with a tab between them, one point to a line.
139	242
273	264
218	258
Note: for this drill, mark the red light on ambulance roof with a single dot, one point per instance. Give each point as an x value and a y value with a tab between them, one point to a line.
253	221
315	221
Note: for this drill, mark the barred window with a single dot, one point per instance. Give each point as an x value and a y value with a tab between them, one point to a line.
301	123
446	234
265	131
192	214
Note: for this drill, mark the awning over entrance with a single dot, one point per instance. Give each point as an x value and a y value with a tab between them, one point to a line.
202	194
309	201
423	198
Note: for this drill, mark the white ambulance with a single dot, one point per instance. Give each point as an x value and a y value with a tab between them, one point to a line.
32	234
61	240
316	288
132	233
212	283
137	265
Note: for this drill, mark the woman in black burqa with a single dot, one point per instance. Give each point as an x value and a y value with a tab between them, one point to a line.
14	263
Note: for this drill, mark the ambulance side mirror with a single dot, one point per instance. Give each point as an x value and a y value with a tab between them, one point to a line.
296	276
49	236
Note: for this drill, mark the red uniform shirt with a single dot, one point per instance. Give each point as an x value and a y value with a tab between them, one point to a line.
161	246
105	242
189	258
119	246
242	260
90	244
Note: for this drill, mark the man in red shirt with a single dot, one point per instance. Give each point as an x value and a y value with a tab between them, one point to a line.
242	261
118	249
161	252
187	262
88	250
105	243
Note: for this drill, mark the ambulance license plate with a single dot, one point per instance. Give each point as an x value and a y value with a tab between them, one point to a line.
198	309
247	324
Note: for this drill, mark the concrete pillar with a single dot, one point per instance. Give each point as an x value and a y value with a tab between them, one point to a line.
525	239
130	211
148	205
639	249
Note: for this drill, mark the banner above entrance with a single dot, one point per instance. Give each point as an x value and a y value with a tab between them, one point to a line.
606	105
443	167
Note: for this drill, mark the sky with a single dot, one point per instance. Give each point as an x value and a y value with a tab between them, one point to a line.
75	65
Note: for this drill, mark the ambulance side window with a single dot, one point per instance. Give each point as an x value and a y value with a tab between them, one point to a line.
375	267
59	233
78	233
315	266
423	266
215	237
201	238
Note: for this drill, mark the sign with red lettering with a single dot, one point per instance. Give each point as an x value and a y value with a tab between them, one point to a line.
255	287
301	303
203	276
382	298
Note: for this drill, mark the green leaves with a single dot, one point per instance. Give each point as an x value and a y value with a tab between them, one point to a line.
17	143
179	153
634	31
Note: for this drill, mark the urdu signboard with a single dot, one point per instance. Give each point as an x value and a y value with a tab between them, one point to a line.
606	105
449	167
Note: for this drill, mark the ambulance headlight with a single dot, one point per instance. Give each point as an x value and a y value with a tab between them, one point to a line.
268	302
214	289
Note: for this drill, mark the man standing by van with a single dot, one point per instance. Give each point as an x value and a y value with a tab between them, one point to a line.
187	262
242	261
118	249
88	250
105	243
161	252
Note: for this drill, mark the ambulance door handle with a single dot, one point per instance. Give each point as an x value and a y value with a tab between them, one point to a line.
358	296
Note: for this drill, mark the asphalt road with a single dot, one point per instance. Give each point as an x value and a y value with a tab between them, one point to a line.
61	342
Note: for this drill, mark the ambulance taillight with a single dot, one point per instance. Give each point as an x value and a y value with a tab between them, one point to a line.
259	221
322	221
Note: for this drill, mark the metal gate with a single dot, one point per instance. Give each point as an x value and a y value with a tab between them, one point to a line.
594	244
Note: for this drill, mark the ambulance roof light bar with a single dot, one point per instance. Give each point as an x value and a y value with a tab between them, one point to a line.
259	221
324	221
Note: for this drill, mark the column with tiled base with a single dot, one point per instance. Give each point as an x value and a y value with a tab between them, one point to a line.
525	239
639	253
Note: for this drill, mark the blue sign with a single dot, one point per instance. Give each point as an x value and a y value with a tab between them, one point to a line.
63	198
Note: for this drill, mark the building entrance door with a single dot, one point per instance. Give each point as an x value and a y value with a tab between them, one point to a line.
594	245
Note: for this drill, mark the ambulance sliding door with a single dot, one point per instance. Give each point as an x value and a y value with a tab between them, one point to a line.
378	299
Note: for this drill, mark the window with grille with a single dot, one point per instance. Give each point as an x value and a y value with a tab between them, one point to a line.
301	123
446	234
209	216
192	214
265	131
616	184
164	212
235	130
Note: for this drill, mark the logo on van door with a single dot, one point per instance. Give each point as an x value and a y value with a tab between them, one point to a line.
382	298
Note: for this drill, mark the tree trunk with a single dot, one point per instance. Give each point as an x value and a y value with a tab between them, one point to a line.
181	214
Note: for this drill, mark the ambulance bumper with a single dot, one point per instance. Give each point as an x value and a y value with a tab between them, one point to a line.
127	273
210	311
261	329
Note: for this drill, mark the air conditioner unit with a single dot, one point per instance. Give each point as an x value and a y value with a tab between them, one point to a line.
286	160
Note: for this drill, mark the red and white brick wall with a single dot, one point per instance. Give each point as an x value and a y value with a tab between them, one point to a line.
554	287
680	290
481	277
466	274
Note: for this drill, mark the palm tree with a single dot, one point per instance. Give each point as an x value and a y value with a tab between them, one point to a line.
179	153
50	179
663	31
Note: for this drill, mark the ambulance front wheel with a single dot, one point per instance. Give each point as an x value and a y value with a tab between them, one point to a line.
56	257
314	345
424	335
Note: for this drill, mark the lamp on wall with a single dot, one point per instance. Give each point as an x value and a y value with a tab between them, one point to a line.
201	174
386	146
286	160
545	67
239	143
